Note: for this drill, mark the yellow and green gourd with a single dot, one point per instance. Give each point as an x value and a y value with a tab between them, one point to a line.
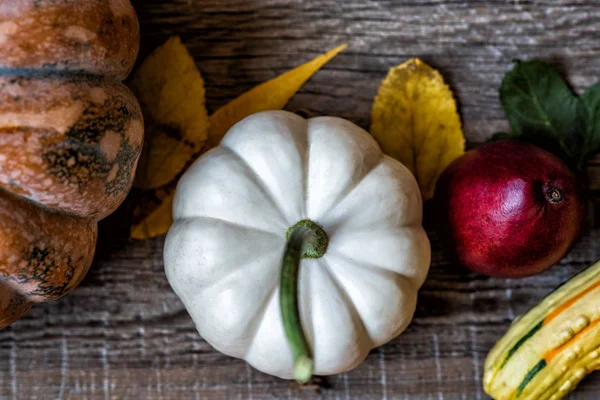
550	349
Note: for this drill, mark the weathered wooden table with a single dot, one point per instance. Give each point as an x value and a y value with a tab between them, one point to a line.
123	333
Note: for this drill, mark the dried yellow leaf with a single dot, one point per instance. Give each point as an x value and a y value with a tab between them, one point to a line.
415	121
271	95
157	223
171	92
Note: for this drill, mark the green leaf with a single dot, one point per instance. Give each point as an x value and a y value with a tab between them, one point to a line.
541	108
589	120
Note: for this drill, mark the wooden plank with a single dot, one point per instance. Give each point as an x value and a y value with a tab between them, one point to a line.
123	334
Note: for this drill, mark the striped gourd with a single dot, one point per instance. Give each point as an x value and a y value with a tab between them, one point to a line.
548	350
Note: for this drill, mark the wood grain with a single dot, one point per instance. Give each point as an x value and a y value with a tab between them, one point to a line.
123	334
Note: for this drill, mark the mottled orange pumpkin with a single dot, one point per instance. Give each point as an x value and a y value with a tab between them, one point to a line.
70	137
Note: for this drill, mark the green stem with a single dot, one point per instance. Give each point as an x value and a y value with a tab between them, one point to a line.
305	240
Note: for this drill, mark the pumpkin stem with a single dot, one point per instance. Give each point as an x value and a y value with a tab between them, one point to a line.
305	240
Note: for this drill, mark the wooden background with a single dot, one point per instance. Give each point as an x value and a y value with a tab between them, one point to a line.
123	334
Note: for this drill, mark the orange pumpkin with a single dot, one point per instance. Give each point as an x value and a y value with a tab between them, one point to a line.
70	137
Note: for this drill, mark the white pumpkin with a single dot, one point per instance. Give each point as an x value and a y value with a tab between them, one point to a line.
232	211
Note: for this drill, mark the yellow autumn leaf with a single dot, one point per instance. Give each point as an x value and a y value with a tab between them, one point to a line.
171	92
157	223
415	121
271	95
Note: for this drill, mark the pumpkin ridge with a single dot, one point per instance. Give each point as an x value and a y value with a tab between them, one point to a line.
49	72
391	274
341	288
255	177
257	319
351	188
232	223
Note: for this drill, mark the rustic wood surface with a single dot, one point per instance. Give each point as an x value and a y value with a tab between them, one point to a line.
123	334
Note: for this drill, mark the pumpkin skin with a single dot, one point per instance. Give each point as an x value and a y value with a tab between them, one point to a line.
70	138
74	142
99	37
232	210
